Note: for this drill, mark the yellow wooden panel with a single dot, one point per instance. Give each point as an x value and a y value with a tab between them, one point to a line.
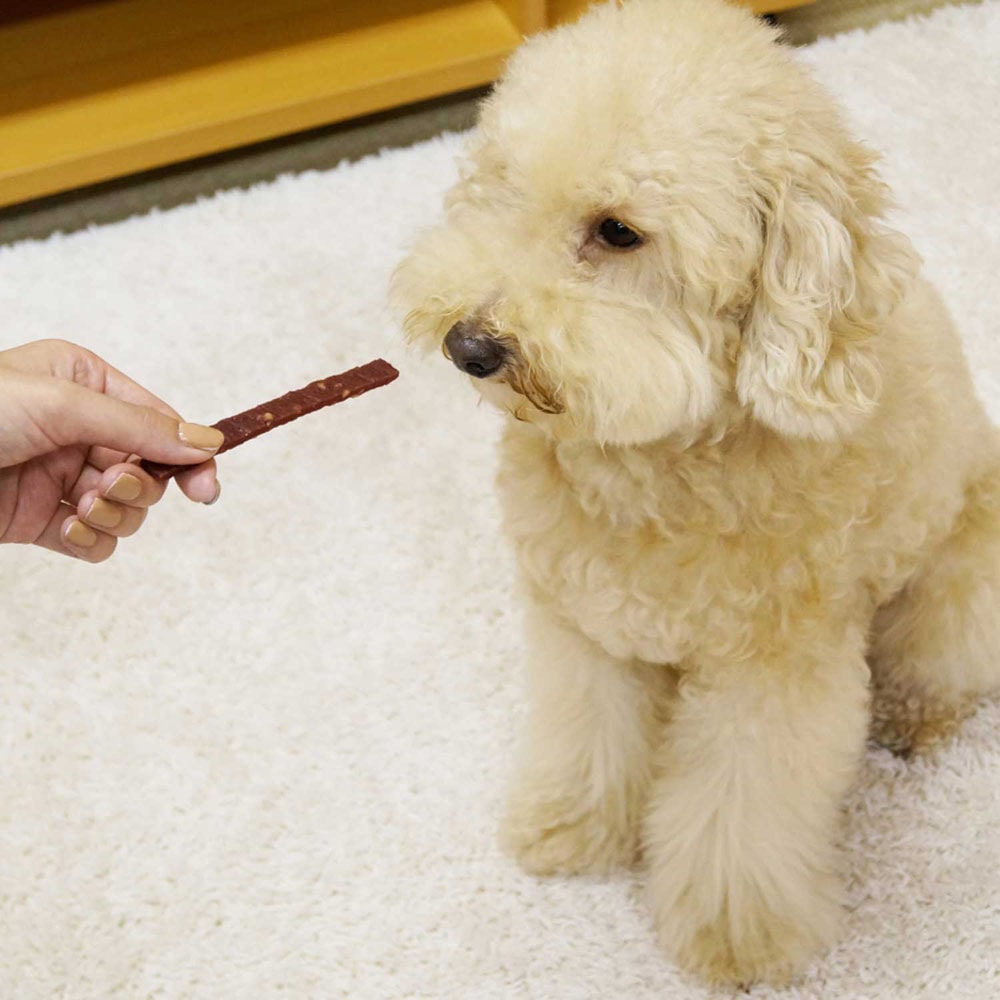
129	99
165	29
529	15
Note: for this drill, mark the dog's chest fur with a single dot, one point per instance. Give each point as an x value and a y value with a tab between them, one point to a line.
660	553
621	543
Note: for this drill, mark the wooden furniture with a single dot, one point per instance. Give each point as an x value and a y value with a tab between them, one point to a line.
96	89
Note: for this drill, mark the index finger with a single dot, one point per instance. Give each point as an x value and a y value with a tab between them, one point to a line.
73	363
119	385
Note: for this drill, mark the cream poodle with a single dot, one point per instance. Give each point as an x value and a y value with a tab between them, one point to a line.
754	500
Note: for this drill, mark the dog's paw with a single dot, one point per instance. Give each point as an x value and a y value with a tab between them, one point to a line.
554	838
772	954
750	941
910	724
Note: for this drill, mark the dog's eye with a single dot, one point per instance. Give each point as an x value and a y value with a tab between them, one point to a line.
617	234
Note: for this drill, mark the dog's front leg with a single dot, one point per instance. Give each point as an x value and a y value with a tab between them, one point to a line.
742	828
584	765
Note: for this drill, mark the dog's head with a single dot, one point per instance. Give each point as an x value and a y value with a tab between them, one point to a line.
662	225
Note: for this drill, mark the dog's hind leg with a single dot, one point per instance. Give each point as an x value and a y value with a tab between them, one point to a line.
936	646
584	767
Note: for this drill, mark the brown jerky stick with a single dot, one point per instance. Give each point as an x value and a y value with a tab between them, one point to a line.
314	396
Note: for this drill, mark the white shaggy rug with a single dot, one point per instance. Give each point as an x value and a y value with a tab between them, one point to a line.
260	753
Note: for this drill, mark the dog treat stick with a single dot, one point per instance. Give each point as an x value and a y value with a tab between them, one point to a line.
314	396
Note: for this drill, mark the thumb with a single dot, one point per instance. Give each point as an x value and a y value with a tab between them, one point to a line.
72	414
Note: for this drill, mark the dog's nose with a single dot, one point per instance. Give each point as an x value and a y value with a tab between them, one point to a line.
476	353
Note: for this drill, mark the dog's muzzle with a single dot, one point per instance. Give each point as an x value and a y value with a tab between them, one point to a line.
473	351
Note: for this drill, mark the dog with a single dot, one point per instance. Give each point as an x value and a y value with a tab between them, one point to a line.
754	500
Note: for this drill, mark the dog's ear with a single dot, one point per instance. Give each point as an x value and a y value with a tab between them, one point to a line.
829	276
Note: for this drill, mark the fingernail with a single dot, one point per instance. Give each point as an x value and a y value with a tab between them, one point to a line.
104	514
199	436
80	535
125	487
218	493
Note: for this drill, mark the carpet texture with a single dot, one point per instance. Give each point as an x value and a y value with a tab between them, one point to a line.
261	752
820	18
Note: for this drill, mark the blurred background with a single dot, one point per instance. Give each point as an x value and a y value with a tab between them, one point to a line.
110	108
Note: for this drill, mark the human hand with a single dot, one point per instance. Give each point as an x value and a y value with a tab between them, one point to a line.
69	423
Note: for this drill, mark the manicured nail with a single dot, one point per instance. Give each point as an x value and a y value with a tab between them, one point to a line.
104	514
218	493
199	436
80	535
125	487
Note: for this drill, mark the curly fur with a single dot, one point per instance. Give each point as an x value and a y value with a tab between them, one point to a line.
751	491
